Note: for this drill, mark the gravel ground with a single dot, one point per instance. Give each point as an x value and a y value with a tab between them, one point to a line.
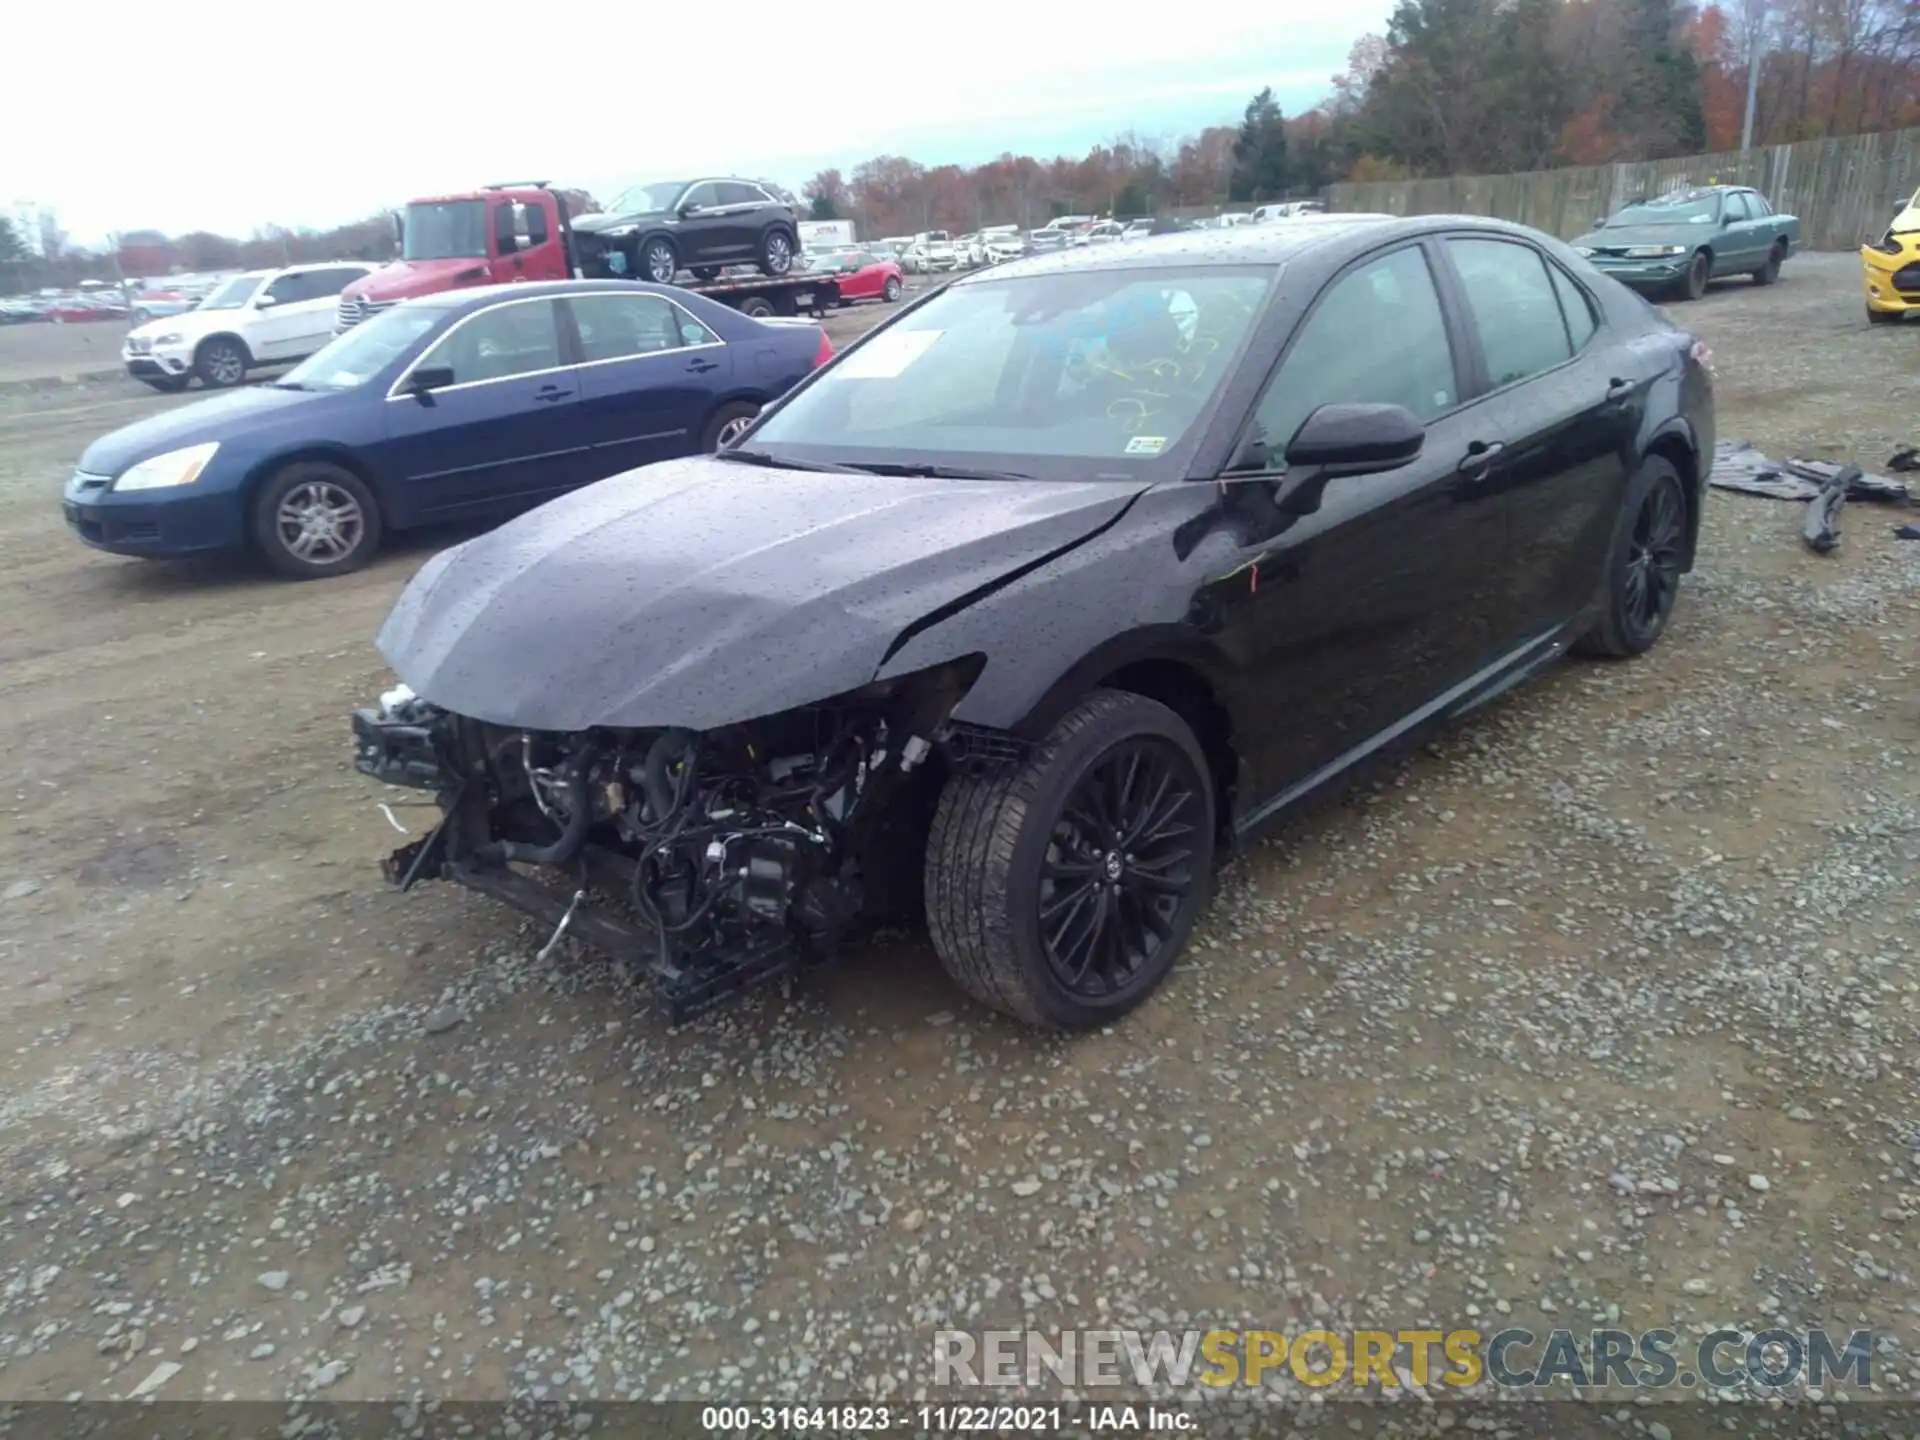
1599	1010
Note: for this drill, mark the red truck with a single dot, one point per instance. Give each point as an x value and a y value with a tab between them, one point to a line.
520	231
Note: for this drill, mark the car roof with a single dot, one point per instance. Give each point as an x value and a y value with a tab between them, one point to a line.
1244	245
479	295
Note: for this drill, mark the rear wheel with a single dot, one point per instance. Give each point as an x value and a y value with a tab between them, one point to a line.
757	306
1643	572
659	262
1062	890
728	424
220	362
1770	272
776	252
312	518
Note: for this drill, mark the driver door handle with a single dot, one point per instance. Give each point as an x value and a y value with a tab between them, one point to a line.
551	392
700	367
1480	457
1618	390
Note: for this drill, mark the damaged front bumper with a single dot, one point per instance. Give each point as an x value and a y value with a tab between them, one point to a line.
708	862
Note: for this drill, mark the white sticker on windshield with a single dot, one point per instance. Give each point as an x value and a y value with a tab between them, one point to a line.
887	354
1146	444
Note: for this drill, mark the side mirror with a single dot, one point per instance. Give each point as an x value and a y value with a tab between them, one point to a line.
1600	222
1357	439
430	377
265	302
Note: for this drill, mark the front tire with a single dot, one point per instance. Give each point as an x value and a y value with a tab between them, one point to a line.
728	424
1644	568
221	362
312	519
1698	273
1880	317
659	261
1770	272
776	252
1061	890
891	290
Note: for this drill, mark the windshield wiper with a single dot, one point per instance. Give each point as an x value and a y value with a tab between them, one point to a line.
774	462
935	472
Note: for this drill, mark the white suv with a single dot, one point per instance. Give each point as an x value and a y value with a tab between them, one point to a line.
264	317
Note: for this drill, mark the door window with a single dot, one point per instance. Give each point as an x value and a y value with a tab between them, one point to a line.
324	284
1576	306
617	327
733	192
1515	311
517	338
1736	208
286	289
705	195
1393	295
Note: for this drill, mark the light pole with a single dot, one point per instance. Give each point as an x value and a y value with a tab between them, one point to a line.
1754	15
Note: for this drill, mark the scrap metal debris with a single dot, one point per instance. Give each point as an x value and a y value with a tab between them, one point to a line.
1907	457
1823	484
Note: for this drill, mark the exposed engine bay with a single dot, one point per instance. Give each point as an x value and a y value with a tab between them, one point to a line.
708	860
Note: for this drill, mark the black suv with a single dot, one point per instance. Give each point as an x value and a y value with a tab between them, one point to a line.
654	231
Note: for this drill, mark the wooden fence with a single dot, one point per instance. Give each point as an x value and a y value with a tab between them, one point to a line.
1844	190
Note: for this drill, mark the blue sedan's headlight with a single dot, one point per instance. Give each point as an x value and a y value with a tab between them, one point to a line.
162	472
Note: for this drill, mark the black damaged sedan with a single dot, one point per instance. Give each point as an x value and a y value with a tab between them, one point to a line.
1024	612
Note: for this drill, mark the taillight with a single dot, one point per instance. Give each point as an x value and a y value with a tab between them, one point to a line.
824	353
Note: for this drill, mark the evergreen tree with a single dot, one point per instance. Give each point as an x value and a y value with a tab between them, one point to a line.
1260	152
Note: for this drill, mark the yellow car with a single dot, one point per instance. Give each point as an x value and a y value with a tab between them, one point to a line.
1891	268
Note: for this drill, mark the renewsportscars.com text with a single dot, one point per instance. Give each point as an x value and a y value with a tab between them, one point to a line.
1513	1358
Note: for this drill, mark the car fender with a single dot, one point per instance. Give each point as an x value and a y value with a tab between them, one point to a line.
261	468
1114	598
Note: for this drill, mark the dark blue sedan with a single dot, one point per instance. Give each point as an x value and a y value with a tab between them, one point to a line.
451	406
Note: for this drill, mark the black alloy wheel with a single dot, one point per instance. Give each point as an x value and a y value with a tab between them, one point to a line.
1062	888
1643	576
1119	866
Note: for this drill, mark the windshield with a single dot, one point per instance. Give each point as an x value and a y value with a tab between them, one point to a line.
1112	366
644	199
364	351
445	230
1693	210
233	294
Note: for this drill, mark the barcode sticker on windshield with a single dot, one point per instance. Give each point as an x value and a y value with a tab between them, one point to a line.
887	354
1146	444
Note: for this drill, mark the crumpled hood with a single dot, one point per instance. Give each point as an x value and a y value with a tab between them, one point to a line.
704	592
1628	235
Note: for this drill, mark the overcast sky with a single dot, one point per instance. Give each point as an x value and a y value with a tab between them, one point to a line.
224	116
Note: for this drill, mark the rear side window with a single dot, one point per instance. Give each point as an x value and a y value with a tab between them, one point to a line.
618	327
1514	308
1575	305
1394	296
733	192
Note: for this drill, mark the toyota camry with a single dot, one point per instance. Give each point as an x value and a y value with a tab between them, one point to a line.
1027	610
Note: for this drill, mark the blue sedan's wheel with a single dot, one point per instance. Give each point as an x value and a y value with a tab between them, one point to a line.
312	519
728	424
